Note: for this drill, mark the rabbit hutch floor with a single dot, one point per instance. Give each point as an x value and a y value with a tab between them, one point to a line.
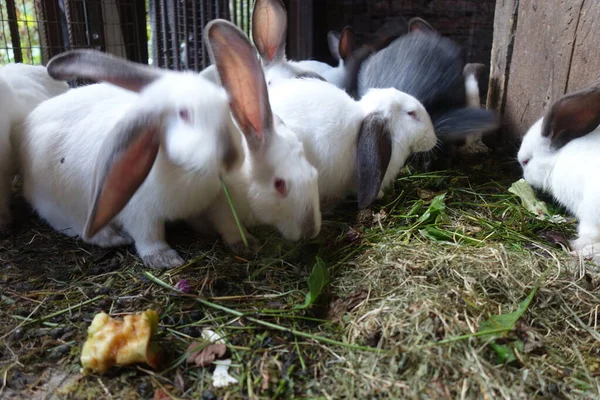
447	288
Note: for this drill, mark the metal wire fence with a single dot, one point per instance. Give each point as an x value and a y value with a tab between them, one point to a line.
32	31
167	33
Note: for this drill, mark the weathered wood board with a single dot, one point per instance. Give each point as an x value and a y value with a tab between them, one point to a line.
542	49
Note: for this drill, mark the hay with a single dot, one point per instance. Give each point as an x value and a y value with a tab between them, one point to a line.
407	295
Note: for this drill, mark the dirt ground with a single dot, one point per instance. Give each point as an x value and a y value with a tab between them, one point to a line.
412	282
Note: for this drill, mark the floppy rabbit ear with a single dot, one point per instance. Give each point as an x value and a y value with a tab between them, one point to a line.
243	78
373	154
126	159
572	116
333	41
98	66
269	29
347	43
417	24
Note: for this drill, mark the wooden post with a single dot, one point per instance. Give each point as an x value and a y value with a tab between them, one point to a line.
13	26
542	50
300	29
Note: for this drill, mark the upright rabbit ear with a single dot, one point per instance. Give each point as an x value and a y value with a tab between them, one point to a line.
269	29
98	66
243	78
373	154
572	116
347	43
333	41
126	158
420	25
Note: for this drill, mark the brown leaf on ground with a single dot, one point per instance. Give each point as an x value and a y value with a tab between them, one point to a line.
342	305
555	238
204	357
179	381
160	394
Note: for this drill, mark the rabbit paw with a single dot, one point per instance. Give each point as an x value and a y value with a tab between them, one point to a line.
163	259
240	249
111	237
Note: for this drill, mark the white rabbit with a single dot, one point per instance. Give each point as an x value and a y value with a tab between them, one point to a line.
341	46
22	88
358	147
559	155
269	29
151	146
472	74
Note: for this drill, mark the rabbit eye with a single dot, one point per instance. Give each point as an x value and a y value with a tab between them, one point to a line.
280	186
412	113
184	114
525	162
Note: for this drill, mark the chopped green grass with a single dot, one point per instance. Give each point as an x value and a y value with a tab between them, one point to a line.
411	283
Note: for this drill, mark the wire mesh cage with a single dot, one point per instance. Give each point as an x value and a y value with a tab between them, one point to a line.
177	28
168	33
32	31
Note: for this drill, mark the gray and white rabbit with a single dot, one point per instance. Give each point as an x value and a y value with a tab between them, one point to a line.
431	68
358	147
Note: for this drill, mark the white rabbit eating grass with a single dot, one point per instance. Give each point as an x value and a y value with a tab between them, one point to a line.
22	88
358	147
560	155
112	162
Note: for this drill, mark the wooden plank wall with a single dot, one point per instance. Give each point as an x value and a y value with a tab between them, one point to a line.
542	49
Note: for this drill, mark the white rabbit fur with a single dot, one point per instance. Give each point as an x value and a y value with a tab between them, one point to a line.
331	134
269	29
63	140
341	46
559	155
22	88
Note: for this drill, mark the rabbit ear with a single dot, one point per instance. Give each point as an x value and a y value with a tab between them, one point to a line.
333	41
125	161
98	66
347	43
243	78
373	154
269	28
573	116
420	25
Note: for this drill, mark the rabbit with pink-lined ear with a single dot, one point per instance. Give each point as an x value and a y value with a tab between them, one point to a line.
341	45
358	147
278	186
269	29
22	88
112	162
559	155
